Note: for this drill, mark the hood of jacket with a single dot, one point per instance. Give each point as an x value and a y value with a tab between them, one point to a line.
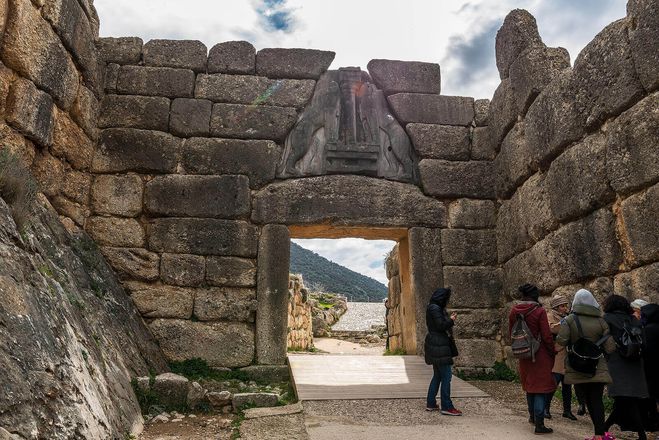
525	306
440	297
650	313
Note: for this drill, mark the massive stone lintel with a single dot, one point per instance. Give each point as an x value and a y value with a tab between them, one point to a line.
348	129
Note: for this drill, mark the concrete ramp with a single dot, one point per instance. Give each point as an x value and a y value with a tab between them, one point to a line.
348	377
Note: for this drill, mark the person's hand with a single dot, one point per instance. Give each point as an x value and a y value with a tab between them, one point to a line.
453	316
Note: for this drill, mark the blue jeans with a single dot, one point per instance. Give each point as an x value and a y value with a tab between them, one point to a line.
441	376
536	404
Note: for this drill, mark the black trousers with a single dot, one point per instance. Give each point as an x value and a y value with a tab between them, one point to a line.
566	390
628	415
591	394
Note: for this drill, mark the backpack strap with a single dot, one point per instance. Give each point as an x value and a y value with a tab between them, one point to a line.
578	323
524	315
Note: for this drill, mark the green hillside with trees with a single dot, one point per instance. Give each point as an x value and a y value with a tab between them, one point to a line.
321	274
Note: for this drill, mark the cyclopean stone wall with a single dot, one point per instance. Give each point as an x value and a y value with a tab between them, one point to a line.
578	158
300	332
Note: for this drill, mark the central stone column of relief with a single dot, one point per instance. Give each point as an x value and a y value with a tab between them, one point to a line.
348	129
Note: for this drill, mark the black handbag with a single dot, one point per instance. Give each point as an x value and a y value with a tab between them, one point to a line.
584	355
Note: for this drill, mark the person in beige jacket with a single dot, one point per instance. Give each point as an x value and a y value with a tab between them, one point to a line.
560	306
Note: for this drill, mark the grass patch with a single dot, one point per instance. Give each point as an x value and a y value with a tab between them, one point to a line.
396	352
325	305
17	188
499	371
196	369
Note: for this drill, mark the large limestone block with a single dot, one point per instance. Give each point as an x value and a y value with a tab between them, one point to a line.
600	288
221	344
445	179
48	172
76	185
346	201
640	214
502	112
235	57
147	112
644	40
272	294
30	111
161	301
231	271
181	54
577	181
432	109
117	195
110	78
639	283
464	247
256	159
85	111
481	111
122	50
474	287
123	149
518	33
480	353
203	237
133	263
605	75
182	269
197	196
113	231
483	146
393	76
472	214
632	160
31	48
252	122
156	81
293	63
190	117
225	304
254	90
70	142
440	141
476	323
512	165
171	389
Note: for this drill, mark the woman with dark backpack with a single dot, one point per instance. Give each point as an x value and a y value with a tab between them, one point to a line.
629	387
585	334
650	321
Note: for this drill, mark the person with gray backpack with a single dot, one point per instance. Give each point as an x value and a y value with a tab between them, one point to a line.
533	345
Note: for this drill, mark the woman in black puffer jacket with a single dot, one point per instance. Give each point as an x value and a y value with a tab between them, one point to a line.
439	352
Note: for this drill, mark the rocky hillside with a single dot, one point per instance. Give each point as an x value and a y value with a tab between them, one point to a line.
321	274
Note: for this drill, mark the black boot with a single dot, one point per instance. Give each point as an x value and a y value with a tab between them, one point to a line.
569	415
540	428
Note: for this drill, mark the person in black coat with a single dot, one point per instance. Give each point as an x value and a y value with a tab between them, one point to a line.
650	322
439	350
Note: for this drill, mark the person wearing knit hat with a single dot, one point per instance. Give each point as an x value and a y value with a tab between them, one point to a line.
560	306
637	305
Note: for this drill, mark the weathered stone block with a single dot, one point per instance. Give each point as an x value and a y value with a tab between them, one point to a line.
76	186
226	304
533	70
252	122
123	149
577	181
604	73
110	78
17	144
512	165
405	76
346	201
117	195
160	301
524	219
85	111
599	287
74	211
476	323
474	287
221	344
70	142
256	159
644	40
182	54
230	271
632	160
293	63
182	269
432	109
503	112
156	81
463	247
190	117
272	285
481	112
641	282
171	389
203	237
133	263
48	172
198	196
112	231
518	33
254	90
233	57
30	111
440	141
32	48
480	353
640	214
483	146
147	112
260	400
123	50
267	373
445	179
472	214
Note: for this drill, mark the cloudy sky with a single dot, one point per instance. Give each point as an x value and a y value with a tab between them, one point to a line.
457	34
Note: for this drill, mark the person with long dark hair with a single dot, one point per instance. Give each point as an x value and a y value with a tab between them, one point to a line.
440	349
629	387
650	322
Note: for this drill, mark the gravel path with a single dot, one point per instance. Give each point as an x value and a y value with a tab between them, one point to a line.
361	316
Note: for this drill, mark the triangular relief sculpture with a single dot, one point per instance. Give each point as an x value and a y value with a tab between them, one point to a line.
348	129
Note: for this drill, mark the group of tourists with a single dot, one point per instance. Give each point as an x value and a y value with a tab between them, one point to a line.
581	344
